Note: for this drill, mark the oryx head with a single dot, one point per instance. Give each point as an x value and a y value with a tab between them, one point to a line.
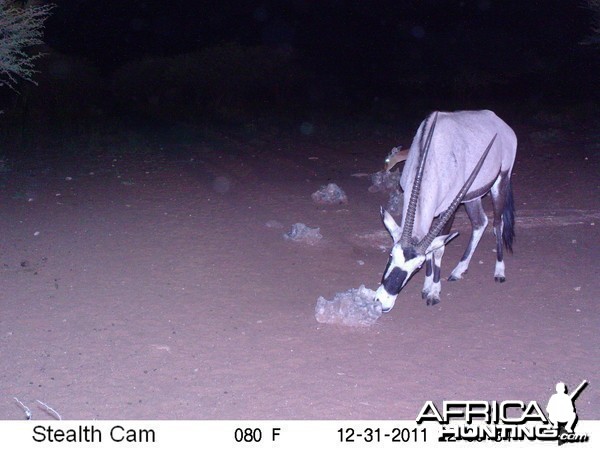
408	253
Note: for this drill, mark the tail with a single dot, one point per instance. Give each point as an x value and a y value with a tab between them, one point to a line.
508	218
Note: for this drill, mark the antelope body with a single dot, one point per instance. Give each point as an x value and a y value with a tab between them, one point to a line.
454	158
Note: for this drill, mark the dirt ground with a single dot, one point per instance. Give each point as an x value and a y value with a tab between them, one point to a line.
144	284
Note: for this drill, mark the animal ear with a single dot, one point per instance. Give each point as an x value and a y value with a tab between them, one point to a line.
390	225
440	241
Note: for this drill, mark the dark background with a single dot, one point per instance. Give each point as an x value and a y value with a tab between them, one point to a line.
147	180
246	61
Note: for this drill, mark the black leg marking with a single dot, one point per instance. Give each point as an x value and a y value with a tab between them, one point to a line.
504	222
430	299
504	213
428	272
436	273
499	250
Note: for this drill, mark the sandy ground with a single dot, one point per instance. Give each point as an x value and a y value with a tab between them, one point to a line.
145	285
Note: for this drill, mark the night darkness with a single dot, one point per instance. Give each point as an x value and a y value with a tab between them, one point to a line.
348	55
185	184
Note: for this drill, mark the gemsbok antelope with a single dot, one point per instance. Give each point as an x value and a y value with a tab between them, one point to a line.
454	158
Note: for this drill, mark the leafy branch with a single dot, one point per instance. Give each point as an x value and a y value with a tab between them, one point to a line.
20	29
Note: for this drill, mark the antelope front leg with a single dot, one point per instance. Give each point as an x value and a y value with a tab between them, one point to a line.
479	222
432	287
428	277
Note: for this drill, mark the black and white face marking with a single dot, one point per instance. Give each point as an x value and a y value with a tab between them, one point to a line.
395	281
403	263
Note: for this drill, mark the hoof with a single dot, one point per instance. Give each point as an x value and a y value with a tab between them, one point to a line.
499	279
432	301
453	278
424	294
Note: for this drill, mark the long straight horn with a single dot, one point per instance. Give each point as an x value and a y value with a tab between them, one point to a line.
446	215
409	220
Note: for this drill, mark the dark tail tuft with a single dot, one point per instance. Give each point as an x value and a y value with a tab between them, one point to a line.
508	219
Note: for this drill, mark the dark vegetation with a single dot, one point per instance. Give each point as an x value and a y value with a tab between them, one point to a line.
280	64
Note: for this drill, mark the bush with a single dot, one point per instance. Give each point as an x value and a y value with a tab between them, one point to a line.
20	29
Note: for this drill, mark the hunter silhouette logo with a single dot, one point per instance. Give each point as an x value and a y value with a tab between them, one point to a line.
562	413
509	420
